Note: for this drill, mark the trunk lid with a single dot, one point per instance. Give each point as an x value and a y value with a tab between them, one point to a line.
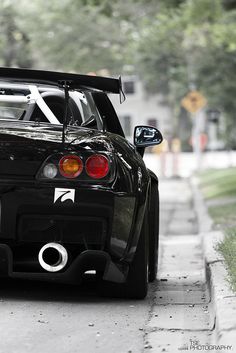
24	146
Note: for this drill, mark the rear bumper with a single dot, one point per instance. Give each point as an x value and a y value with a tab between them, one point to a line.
104	219
87	260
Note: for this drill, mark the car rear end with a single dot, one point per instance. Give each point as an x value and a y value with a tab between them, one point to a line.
76	198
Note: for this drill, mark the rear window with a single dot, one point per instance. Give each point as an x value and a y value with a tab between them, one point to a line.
14	111
22	102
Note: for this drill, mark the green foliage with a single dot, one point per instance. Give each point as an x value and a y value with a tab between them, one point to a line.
228	249
172	44
224	215
229	4
78	35
218	183
14	41
192	45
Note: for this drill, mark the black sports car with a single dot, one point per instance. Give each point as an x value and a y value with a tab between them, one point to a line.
75	195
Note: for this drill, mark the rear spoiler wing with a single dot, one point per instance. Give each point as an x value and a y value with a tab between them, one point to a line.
73	81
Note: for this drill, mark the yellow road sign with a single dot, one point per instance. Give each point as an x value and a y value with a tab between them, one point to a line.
193	101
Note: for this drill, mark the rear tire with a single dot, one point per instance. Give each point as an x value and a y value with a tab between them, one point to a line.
137	280
153	221
136	285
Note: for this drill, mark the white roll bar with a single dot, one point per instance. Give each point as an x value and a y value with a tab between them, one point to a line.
33	97
36	96
13	99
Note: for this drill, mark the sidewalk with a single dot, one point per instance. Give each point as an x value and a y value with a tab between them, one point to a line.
181	310
177	214
183	212
223	298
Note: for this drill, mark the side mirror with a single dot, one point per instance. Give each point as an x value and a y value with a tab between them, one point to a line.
145	136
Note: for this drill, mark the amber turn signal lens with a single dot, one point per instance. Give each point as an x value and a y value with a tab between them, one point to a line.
70	166
97	166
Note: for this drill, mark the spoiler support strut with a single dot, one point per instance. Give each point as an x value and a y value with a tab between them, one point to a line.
66	87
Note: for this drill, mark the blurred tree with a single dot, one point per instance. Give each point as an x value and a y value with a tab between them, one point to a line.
14	42
173	44
192	45
229	4
82	35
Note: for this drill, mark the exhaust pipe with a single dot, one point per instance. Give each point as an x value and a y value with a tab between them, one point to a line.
53	257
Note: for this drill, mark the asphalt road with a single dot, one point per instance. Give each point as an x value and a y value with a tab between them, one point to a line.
39	318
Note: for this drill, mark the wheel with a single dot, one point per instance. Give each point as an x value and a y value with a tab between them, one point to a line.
137	280
136	285
153	221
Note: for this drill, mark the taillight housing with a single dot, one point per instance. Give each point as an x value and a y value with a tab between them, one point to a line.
97	166
70	166
85	167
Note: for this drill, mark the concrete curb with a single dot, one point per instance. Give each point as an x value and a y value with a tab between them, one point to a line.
222	296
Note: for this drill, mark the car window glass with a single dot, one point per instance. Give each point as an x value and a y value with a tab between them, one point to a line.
91	110
17	103
9	110
13	109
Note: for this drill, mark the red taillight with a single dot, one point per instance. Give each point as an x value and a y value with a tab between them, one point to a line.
97	166
70	166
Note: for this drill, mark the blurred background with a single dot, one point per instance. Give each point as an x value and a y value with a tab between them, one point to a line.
177	59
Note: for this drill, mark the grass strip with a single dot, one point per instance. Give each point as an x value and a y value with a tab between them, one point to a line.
224	216
220	185
228	248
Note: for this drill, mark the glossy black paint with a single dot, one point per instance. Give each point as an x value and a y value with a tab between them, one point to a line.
101	228
27	201
59	78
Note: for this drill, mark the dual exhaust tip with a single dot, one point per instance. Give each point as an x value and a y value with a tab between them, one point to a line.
53	257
